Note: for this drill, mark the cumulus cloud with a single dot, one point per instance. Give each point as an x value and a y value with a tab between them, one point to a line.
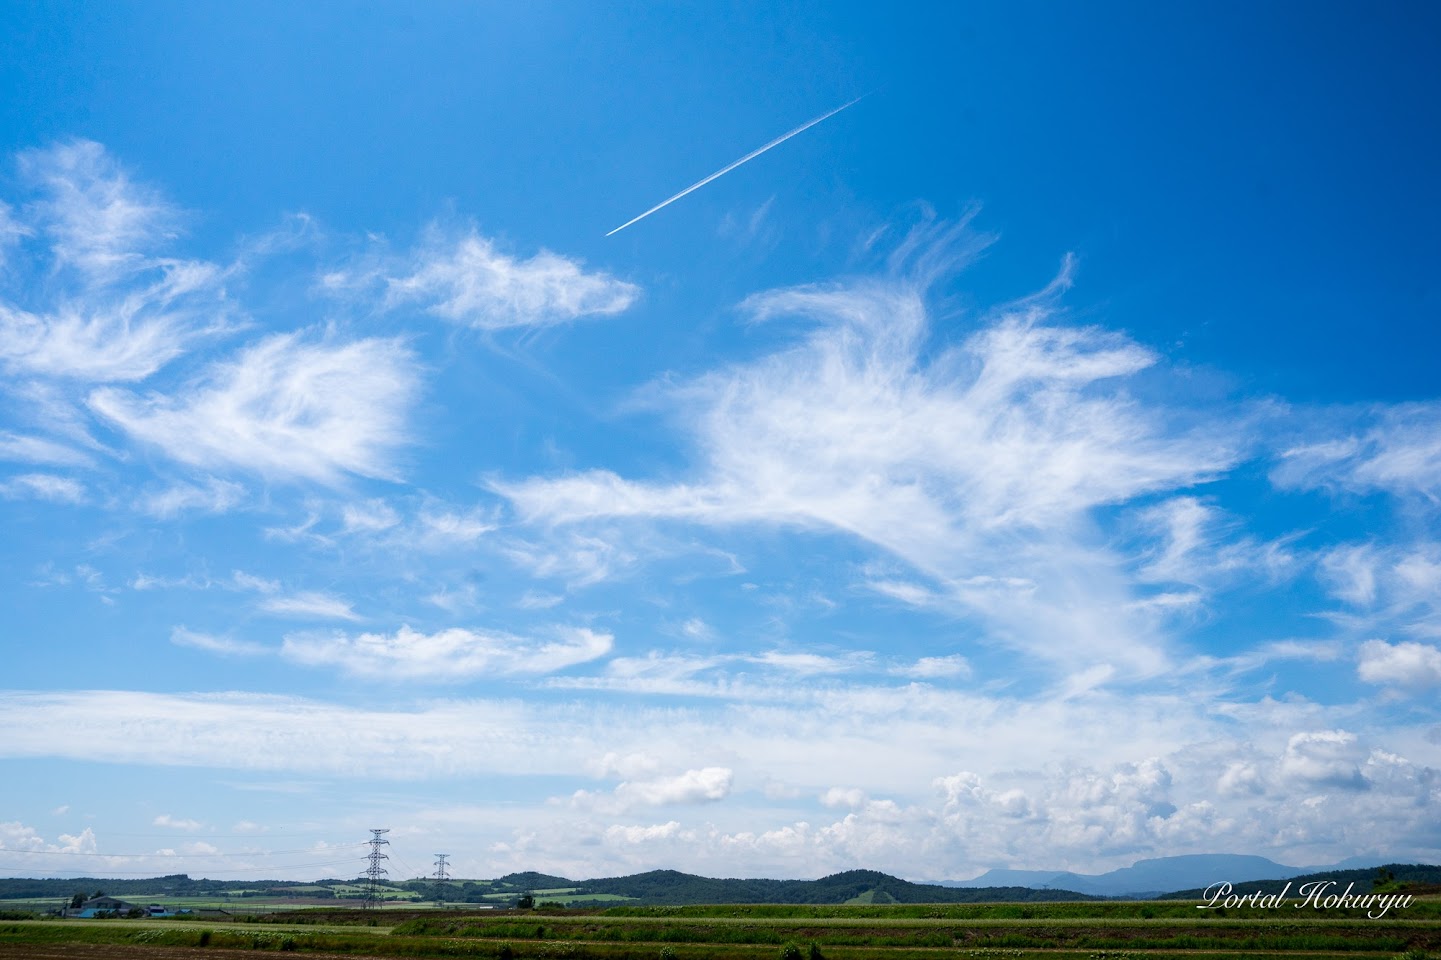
1325	758
620	834
705	785
1409	665
468	281
284	407
1024	797
15	835
843	797
452	655
178	823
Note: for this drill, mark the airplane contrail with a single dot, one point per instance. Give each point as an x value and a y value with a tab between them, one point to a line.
750	156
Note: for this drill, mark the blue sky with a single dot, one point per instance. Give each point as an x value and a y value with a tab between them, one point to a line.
1034	464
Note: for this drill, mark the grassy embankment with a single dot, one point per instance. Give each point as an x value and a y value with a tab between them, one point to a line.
1057	931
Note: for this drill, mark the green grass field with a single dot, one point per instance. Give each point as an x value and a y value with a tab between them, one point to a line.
1057	931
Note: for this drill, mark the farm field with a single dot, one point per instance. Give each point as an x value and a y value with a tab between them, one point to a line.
998	931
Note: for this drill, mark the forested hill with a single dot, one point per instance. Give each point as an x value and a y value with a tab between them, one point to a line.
657	888
865	886
1393	877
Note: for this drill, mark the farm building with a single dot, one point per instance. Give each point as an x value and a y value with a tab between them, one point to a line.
113	905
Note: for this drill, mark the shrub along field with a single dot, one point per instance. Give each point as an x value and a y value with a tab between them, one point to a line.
994	931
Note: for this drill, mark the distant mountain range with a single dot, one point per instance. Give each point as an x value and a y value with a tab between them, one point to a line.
1149	878
1182	877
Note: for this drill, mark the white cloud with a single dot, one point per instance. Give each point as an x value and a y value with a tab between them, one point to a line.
914	594
629	767
1385	587
11	231
311	605
935	668
1350	571
1198	544
97	218
452	655
843	797
370	516
809	664
15	835
468	281
225	646
283	407
703	785
642	834
980	464
30	449
448	526
43	486
696	629
1395	450
178	823
1325	758
1414	666
578	559
1135	775
247	581
212	495
118	311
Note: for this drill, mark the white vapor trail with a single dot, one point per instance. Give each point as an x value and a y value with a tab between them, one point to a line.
748	157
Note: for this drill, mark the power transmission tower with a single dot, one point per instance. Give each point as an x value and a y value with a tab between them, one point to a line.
375	871
440	876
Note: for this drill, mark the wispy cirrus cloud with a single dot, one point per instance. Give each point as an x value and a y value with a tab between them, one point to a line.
982	463
32	449
1395	450
452	655
310	605
464	277
284	407
42	486
115	309
1384	586
208	495
225	646
11	231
